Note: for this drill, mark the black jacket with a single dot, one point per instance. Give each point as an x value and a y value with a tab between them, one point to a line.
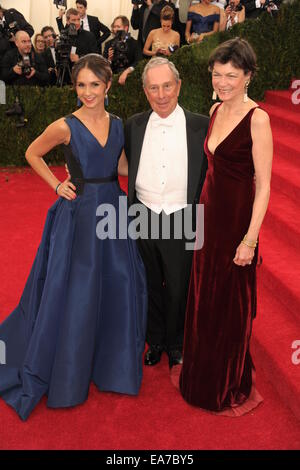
153	20
12	15
250	8
85	43
133	53
98	29
196	130
11	59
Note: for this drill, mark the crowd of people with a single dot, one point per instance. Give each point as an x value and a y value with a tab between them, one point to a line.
101	286
163	26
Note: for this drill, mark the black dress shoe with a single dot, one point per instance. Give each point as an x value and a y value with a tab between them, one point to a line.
153	354
175	357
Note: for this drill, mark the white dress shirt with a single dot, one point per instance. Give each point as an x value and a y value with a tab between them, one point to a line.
85	23
161	182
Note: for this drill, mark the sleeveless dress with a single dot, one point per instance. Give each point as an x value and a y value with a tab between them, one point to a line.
82	315
202	24
217	368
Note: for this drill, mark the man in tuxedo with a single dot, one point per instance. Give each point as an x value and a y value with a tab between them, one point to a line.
88	23
49	35
14	71
167	168
147	17
131	52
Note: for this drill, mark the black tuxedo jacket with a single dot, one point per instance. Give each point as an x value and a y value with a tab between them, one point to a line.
98	29
196	130
153	20
49	58
250	8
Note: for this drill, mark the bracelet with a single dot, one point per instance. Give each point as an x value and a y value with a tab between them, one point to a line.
57	187
251	244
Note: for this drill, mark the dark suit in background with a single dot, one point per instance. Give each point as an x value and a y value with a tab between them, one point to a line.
98	29
133	53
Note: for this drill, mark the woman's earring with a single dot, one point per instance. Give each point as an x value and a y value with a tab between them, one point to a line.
246	92
106	100
214	95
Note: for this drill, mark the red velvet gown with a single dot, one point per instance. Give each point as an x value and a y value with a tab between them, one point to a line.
217	367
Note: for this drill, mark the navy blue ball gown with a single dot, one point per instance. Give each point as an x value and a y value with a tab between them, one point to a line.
82	315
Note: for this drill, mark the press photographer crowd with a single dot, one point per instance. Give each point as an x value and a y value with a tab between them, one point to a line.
163	26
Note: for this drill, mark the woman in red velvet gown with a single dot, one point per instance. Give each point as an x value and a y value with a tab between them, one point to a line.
217	371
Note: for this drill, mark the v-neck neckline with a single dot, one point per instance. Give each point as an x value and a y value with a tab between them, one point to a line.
90	132
228	135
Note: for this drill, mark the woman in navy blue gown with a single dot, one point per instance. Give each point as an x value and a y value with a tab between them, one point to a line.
82	315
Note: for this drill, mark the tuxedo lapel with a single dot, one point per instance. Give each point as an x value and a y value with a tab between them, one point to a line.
136	137
195	143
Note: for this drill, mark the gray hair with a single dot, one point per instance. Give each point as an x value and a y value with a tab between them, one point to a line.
157	62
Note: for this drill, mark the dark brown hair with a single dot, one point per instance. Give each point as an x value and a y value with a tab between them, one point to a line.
71	11
167	13
124	19
237	51
97	64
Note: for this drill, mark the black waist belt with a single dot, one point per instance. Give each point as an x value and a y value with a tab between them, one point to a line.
80	182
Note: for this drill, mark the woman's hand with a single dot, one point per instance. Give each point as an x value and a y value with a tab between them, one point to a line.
67	190
244	255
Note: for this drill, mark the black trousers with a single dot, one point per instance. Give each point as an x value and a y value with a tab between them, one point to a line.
168	267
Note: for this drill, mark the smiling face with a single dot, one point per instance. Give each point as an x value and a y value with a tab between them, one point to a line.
229	81
162	90
90	89
23	42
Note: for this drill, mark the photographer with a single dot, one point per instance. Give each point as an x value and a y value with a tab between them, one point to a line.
22	66
254	8
88	23
234	13
123	52
11	21
84	42
49	36
146	16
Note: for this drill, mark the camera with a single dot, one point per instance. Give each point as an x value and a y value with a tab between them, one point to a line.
10	27
234	7
120	47
60	3
25	64
17	110
173	47
64	43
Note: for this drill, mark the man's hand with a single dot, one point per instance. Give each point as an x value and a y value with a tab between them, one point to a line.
17	69
74	57
110	54
32	73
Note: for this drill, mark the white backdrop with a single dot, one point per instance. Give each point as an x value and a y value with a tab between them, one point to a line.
40	13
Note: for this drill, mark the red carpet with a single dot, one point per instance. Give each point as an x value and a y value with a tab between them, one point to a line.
159	418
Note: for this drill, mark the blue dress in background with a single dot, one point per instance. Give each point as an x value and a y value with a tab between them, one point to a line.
202	24
82	315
